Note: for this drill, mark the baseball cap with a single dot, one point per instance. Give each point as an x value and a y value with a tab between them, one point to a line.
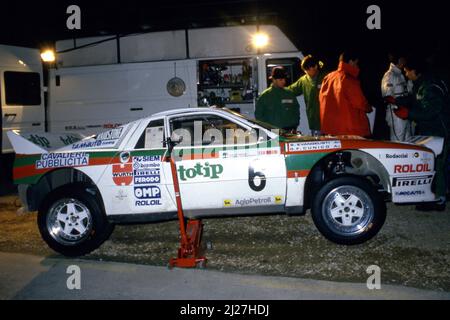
278	73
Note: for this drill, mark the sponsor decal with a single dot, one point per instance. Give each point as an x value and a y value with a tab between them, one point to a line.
146	162
104	139
147	196
412	168
412	181
409	193
313	145
87	144
110	135
211	171
147	176
122	174
397	156
253	202
124	157
287	101
247	153
146	169
121	194
57	160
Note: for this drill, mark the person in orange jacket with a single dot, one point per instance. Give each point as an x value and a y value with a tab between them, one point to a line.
343	106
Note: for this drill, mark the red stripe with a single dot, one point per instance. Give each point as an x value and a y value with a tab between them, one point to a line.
297	173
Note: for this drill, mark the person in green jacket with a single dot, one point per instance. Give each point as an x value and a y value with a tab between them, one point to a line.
309	85
277	105
429	107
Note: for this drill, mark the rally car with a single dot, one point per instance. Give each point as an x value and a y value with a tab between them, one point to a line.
226	164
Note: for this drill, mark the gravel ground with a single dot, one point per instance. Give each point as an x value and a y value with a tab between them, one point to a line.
412	249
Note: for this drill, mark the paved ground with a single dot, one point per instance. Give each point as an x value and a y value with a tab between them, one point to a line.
32	277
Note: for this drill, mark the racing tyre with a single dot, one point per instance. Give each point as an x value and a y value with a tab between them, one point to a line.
348	210
72	222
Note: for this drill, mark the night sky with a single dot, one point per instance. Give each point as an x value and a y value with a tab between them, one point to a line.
323	28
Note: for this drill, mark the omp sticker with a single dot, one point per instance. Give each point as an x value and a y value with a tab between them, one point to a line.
313	145
147	196
122	174
58	160
253	201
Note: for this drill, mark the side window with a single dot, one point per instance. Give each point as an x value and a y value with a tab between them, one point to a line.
153	136
22	88
291	65
208	130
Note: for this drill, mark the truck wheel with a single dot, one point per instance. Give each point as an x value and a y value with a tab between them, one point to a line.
72	222
348	210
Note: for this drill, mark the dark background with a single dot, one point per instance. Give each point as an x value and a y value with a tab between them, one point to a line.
323	28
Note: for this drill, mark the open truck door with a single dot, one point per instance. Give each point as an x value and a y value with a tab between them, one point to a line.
291	63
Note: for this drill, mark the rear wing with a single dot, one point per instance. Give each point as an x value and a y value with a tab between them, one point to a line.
40	142
434	143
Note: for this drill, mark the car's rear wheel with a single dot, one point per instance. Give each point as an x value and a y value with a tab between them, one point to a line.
72	222
348	210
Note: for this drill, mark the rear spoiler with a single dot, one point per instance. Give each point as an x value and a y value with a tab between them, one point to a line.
40	142
434	143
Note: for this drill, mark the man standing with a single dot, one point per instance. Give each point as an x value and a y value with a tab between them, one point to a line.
429	107
394	85
343	106
309	85
277	105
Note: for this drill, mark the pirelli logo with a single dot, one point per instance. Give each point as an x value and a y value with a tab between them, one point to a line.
412	181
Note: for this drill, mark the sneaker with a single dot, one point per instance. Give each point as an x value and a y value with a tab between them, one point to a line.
431	206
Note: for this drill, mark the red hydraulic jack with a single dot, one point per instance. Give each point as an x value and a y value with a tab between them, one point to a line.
189	253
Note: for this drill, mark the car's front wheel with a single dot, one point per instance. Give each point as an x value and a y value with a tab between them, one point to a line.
348	210
72	222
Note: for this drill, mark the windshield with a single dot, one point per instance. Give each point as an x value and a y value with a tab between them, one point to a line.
265	125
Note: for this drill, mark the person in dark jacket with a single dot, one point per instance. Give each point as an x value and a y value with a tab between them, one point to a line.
277	105
429	107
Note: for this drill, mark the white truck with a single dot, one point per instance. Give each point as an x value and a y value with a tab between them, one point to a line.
102	82
21	94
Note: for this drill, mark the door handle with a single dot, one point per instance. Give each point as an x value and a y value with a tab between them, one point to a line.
10	114
136	109
35	124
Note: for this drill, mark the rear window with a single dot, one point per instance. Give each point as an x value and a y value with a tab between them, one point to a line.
22	88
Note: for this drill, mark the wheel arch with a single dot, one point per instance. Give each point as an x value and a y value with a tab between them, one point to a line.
58	178
348	162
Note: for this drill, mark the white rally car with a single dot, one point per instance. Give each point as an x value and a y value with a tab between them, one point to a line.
227	165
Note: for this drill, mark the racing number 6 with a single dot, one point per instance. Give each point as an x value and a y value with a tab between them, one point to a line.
252	176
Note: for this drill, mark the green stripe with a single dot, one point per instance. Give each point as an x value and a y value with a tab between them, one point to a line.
303	161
